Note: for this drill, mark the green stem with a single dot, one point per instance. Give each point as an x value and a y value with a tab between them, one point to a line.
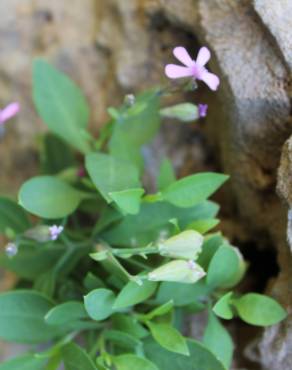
132	251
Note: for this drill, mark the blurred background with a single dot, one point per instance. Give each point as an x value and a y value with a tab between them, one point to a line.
115	47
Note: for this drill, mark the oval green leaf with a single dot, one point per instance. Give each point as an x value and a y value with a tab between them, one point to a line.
75	358
49	197
12	216
61	105
99	303
65	313
258	309
133	293
129	361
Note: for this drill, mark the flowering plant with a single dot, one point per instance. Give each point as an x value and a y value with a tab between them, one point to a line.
107	271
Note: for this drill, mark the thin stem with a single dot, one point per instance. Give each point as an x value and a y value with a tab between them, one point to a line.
132	251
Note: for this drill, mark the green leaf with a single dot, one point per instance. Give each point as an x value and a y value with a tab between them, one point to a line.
223	308
24	362
128	200
186	112
200	357
133	294
166	175
258	309
169	338
22	317
182	294
99	303
12	216
152	220
56	155
92	282
193	189
75	358
49	197
129	324
122	340
160	310
202	226
211	245
129	361
218	340
224	267
111	174
65	313
61	105
134	127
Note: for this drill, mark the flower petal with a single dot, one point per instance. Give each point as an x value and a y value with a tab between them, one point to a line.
10	111
174	71
183	56
203	56
211	80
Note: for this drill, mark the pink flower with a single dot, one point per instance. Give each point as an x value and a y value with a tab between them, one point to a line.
202	110
192	68
8	112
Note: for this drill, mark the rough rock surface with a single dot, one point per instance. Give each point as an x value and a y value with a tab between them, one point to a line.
112	47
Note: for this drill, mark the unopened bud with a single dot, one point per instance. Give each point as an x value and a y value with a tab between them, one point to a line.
44	233
11	250
180	271
186	245
130	100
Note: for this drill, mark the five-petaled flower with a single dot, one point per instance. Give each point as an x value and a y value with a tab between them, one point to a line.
55	231
8	112
192	68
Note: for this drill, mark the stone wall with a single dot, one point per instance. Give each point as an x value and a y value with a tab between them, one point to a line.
112	47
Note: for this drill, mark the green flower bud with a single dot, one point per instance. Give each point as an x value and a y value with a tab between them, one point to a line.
180	271
40	233
186	245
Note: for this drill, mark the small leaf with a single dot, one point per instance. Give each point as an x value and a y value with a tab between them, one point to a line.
258	309
169	338
218	340
166	175
193	189
128	200
61	104
99	303
110	174
122	340
129	361
224	268
160	310
65	313
129	324
24	362
223	308
186	112
133	293
75	358
49	197
202	226
12	216
22	317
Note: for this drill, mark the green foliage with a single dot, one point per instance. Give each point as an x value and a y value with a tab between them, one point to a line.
12	217
260	310
129	265
22	317
61	104
49	197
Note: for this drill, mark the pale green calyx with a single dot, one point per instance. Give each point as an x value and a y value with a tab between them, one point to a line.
186	245
180	271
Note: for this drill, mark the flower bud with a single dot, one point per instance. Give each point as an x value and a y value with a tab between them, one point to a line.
186	245
11	250
44	233
179	271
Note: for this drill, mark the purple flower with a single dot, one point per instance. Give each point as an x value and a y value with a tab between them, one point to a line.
8	112
192	68
11	250
55	231
202	110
